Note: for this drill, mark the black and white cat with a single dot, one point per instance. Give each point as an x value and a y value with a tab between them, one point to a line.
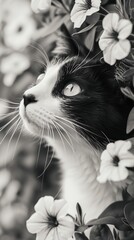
77	108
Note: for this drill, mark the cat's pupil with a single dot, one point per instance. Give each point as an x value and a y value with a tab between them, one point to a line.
72	88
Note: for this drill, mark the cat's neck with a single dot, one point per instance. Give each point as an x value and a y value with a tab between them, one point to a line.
80	166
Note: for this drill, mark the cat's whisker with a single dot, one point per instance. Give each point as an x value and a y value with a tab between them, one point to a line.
37	60
108	140
70	143
8	101
2	128
60	135
15	129
42	53
39	148
84	62
77	125
9	107
59	191
76	131
9	131
7	115
19	136
47	164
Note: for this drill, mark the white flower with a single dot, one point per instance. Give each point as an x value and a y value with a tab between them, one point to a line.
50	221
18	33
115	160
13	65
113	41
12	9
40	5
82	9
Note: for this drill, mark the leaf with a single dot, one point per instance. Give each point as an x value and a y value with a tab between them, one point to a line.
101	232
129	73
127	91
115	209
104	2
131	6
109	220
79	213
130	121
116	235
79	236
52	27
113	215
130	189
129	213
93	21
89	27
111	8
119	6
89	41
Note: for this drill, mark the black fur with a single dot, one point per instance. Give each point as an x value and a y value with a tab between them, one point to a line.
100	108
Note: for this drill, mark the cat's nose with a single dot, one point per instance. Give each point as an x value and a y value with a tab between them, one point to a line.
30	98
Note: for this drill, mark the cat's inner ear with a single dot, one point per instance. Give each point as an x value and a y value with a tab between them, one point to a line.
65	44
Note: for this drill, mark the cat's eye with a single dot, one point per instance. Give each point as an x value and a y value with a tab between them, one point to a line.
71	89
40	78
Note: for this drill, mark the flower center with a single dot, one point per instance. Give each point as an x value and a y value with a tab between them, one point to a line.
86	5
52	220
89	4
116	161
115	35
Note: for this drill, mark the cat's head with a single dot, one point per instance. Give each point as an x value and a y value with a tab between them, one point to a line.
74	97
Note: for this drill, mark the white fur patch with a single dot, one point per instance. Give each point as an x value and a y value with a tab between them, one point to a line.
80	161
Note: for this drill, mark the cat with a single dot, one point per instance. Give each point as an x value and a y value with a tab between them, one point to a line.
77	107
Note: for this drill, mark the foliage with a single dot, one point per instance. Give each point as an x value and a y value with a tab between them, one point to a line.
24	36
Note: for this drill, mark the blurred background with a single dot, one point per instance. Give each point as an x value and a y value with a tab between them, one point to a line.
25	170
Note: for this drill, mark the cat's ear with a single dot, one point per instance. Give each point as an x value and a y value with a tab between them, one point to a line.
65	44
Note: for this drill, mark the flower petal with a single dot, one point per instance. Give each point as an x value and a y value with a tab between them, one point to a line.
44	5
124	28
121	49
101	178
36	223
57	207
110	22
78	16
111	148
92	10
44	205
96	3
105	40
66	231
63	211
66	222
56	234
34	5
127	160
118	174
122	146
46	234
105	174
40	5
105	156
108	55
